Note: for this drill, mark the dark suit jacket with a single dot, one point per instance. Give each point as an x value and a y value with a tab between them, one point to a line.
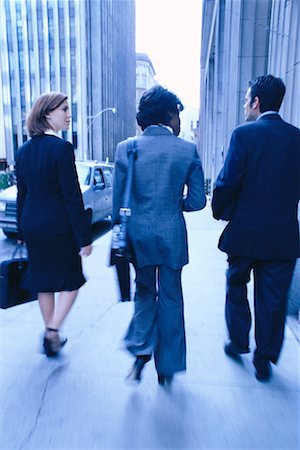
164	165
49	198
258	190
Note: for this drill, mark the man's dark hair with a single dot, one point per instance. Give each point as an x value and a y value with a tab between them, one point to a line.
155	107
270	91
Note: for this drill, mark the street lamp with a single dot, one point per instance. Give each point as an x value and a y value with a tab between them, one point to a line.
113	110
92	119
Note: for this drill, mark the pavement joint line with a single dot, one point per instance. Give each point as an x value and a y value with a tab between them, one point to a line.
93	325
104	313
32	431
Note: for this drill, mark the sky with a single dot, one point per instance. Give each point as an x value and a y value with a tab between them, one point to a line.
169	31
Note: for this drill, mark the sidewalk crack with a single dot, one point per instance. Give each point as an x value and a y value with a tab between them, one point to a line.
103	314
97	321
30	434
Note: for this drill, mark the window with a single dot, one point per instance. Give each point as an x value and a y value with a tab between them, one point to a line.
84	174
98	177
108	176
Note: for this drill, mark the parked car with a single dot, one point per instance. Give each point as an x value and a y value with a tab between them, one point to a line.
95	180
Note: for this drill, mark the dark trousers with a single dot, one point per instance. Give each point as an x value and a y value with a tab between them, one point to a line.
157	325
272	280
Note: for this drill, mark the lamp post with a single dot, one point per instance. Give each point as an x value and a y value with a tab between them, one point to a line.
113	110
92	119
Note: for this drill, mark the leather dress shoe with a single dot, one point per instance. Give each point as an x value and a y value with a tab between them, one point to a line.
136	371
164	380
234	351
262	369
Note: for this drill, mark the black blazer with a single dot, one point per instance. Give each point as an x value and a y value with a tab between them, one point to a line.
258	191
49	199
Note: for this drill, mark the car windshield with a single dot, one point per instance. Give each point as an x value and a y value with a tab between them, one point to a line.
84	173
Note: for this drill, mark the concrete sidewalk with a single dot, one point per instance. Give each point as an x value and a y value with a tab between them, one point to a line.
80	400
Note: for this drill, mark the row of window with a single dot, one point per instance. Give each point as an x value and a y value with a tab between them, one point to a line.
36	55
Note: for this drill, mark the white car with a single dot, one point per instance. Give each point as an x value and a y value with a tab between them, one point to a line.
95	180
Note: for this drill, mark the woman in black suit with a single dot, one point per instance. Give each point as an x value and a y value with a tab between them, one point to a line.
51	218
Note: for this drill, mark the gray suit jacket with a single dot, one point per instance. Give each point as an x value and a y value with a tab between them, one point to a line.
164	165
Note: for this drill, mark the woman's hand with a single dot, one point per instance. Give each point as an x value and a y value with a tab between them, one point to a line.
86	251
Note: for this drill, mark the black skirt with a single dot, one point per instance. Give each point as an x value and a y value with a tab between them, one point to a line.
54	263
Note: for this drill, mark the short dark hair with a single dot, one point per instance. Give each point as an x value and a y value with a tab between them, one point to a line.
37	122
155	107
270	91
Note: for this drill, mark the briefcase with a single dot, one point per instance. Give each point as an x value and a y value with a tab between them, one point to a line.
11	276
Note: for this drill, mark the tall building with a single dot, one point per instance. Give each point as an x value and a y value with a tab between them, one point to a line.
242	39
189	124
111	75
85	48
145	78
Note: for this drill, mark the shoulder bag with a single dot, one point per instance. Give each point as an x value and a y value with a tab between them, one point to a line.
120	247
11	277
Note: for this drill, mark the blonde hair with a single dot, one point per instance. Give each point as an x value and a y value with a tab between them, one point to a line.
37	122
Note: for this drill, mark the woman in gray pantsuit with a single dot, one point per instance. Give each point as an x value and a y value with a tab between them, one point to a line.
164	166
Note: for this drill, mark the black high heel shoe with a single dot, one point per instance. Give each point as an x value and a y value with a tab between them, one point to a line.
52	347
135	374
164	380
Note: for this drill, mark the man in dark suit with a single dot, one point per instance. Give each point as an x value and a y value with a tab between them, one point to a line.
258	191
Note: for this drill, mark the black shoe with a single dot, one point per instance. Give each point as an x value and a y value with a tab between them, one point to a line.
234	351
135	373
52	347
263	369
164	380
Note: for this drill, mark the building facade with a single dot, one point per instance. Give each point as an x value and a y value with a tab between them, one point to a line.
189	124
242	39
73	46
145	78
111	79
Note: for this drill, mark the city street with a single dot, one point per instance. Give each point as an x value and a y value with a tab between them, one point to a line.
81	400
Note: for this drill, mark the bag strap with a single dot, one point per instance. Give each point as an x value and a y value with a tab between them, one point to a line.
125	210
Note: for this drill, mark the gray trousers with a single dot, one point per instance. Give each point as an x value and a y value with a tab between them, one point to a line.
157	325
